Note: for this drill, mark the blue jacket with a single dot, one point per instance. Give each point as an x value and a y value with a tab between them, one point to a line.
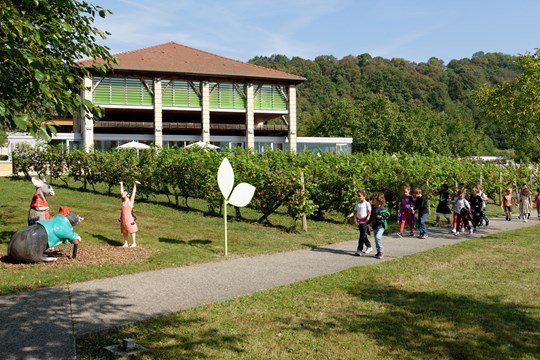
59	230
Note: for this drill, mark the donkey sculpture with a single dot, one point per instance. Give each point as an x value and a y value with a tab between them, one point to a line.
39	207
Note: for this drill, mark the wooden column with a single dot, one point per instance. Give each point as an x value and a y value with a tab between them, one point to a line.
158	114
87	120
250	118
292	118
205	111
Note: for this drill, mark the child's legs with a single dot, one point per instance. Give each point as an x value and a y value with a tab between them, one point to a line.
402	222
410	220
538	209
455	221
362	237
423	219
378	239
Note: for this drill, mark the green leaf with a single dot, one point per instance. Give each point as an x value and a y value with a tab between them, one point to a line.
21	121
38	75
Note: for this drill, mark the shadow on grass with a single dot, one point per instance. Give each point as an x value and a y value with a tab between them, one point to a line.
5	236
112	242
171	241
168	344
433	325
196	242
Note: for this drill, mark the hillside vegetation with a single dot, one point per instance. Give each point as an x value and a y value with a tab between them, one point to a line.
396	105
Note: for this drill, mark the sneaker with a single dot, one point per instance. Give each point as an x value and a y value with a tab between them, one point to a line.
411	234
524	220
379	255
449	225
400	235
357	253
506	217
487	222
471	231
368	250
423	236
454	231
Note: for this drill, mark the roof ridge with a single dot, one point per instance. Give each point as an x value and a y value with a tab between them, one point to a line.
231	59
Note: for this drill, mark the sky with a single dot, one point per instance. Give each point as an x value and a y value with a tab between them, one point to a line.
415	30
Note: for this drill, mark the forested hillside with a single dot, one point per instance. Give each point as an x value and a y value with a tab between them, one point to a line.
397	105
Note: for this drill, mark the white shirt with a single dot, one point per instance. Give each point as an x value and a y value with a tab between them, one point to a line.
362	210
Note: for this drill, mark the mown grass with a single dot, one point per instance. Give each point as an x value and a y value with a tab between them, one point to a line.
475	300
175	236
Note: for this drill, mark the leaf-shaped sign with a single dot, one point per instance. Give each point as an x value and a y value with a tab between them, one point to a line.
242	194
225	178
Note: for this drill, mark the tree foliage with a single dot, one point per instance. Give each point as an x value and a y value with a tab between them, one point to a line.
395	105
515	106
330	180
40	44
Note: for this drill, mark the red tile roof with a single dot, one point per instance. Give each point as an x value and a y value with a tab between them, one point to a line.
180	59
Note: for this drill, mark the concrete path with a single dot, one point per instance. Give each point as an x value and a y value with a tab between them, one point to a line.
43	324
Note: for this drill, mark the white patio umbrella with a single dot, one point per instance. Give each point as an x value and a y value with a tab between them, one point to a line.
133	145
204	145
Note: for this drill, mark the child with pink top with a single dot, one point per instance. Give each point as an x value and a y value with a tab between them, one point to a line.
127	219
406	209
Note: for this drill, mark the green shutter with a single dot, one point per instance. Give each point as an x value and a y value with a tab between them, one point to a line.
270	98
180	94
122	91
226	96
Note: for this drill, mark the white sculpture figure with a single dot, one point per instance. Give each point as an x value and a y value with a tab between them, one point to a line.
240	196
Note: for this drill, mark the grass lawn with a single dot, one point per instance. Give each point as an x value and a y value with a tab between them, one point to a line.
168	236
478	299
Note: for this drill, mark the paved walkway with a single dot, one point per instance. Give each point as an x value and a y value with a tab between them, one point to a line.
43	324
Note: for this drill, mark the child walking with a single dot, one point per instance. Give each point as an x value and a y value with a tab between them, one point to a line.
406	209
442	207
362	213
379	221
525	203
507	204
461	208
421	207
477	207
537	201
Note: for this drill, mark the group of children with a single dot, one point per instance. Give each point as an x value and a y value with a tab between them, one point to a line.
524	203
468	212
367	218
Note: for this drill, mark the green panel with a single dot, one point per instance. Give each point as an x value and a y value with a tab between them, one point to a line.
227	96
280	103
147	97
214	95
270	98
122	91
180	94
166	95
102	93
118	91
133	91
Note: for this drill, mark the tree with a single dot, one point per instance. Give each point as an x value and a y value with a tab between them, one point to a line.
40	43
515	104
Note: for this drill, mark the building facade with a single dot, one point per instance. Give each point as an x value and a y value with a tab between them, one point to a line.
171	95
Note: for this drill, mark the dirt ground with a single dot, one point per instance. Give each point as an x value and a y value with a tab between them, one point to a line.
92	254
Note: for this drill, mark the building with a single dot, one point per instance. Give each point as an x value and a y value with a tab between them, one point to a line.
171	95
